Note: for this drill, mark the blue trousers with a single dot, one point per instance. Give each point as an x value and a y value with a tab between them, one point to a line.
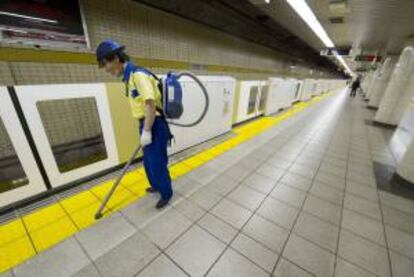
156	158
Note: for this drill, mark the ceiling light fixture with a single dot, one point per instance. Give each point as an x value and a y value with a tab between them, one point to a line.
304	11
28	17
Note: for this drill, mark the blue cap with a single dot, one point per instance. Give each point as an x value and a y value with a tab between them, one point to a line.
106	48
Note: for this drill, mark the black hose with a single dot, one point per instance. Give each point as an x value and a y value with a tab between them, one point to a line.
207	101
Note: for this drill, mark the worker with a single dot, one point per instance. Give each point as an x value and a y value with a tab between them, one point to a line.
355	85
144	95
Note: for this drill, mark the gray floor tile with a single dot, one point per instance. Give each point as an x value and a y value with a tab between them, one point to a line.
312	160
346	269
88	271
231	213
162	267
296	181
323	209
202	174
65	259
303	170
287	269
205	198
327	192
6	274
362	191
238	173
317	231
366	227
166	228
279	162
143	211
186	185
233	264
218	228
330	180
218	164
255	252
270	171
222	184
128	258
260	183
266	232
288	194
332	170
190	210
309	256
195	251
364	253
398	219
105	235
364	178
278	212
397	202
248	162
400	241
247	197
363	206
401	266
333	162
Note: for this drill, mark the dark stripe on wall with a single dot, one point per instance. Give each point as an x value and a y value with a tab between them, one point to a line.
28	135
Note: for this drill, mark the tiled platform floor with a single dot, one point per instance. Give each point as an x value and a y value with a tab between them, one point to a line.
298	200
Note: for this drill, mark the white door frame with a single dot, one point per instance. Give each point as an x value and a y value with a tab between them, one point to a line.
30	95
21	146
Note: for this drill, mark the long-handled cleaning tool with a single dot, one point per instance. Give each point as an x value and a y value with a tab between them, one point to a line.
98	214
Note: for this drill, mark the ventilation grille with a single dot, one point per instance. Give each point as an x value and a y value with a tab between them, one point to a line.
336	20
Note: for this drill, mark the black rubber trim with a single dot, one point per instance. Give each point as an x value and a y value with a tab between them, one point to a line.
28	134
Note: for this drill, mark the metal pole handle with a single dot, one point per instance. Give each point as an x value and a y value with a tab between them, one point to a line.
98	214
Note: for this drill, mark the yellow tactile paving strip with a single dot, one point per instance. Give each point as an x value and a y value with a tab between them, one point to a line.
24	237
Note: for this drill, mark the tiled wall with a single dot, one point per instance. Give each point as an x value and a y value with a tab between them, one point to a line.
150	33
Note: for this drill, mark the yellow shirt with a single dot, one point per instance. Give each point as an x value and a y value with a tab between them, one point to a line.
141	86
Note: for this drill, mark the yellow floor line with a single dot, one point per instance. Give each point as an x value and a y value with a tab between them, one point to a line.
51	224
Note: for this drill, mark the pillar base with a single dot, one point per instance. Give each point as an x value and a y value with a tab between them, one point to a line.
402	181
389	180
384	125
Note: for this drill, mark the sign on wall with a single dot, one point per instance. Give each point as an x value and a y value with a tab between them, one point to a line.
51	23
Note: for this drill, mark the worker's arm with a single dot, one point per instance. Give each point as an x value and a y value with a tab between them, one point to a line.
147	90
149	114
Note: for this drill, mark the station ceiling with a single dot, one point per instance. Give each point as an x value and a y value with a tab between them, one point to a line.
244	19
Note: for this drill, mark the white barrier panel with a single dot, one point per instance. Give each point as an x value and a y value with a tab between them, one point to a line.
282	93
72	128
252	100
307	90
19	174
218	119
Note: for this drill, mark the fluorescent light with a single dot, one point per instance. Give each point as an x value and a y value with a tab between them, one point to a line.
267	1
29	17
302	8
304	11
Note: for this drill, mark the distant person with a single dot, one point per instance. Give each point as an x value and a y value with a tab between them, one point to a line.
144	96
355	86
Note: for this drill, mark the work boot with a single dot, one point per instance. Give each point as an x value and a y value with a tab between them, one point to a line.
151	190
162	203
